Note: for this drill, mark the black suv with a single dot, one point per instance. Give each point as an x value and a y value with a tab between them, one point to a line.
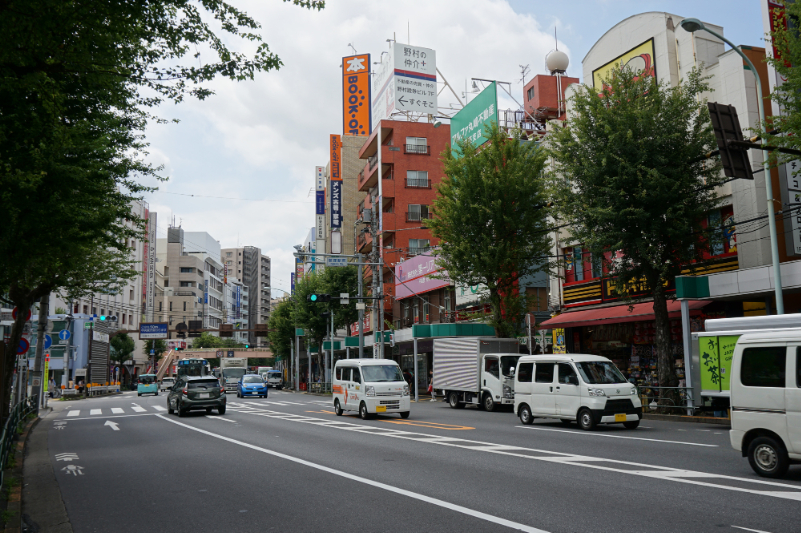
196	393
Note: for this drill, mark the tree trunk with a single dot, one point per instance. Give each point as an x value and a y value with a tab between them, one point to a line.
497	313
666	372
11	353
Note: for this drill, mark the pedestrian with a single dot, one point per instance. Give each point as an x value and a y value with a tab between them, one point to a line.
431	386
51	387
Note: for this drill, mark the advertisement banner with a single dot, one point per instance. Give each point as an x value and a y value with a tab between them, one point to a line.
319	197
292	283
238	302
336	204
225	274
416	276
206	292
319	178
154	330
405	81
356	95
320	231
640	59
336	157
469	123
145	265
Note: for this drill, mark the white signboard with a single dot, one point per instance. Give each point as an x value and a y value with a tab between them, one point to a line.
99	337
320	228
319	178
405	81
792	172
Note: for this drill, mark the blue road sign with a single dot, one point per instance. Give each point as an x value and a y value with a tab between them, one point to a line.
64	334
48	342
152	352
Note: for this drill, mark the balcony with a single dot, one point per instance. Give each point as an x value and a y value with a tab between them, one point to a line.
417	216
416	149
418	183
372	161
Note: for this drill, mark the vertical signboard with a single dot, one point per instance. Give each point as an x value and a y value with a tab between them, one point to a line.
145	266
238	302
405	81
298	269
469	123
319	186
292	283
790	178
150	280
206	292
356	95
336	181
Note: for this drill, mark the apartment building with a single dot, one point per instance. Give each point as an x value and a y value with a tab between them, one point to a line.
254	270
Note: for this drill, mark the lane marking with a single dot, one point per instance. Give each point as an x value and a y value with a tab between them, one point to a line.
589	434
138	409
377	484
96	412
749	529
159	408
218	418
117	410
117	416
113	425
74	413
430	425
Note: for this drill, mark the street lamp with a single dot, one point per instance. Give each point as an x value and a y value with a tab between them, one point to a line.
692	25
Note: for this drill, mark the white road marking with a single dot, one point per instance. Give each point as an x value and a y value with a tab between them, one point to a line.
749	529
434	501
218	418
112	424
74	413
67	457
117	410
96	412
114	416
138	409
159	408
618	436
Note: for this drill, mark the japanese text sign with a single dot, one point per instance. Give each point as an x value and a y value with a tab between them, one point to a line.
336	204
405	81
356	104
419	274
470	122
319	178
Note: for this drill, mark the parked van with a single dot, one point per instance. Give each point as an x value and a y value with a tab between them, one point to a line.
586	388
370	386
766	400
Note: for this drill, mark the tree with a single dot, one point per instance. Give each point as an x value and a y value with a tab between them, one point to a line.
157	346
308	315
282	330
490	220
630	178
787	46
122	348
338	280
207	340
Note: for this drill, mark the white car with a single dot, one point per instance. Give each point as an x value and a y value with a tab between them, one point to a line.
166	383
370	386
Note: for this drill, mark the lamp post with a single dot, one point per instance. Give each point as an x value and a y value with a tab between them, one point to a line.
692	25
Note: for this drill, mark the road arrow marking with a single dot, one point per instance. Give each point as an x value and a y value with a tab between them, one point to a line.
112	424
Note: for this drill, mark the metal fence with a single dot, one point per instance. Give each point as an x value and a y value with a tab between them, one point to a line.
649	395
18	414
320	388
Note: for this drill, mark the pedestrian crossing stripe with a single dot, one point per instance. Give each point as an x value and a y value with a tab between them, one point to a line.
114	411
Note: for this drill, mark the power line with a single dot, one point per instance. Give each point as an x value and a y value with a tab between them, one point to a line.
230	198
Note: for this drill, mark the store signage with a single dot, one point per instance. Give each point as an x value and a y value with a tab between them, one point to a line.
470	123
790	177
640	59
154	330
405	81
612	289
292	283
356	95
419	274
99	337
336	181
716	356
559	340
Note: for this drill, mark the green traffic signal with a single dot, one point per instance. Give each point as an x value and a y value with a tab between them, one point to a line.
313	297
102	317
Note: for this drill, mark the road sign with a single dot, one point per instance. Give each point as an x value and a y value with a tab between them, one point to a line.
48	341
64	334
336	261
154	330
23	346
230	353
87	325
152	352
14	314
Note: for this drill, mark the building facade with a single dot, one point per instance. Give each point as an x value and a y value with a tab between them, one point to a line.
254	270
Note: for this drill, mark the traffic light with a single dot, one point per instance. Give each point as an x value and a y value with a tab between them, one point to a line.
728	133
318	298
247	346
107	318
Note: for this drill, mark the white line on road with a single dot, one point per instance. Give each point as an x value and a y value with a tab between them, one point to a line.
138	409
618	436
117	410
112	424
74	413
220	419
434	501
96	412
117	416
159	408
748	529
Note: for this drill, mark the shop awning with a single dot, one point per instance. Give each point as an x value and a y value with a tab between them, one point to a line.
617	314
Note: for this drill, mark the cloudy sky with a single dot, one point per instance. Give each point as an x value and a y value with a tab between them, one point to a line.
241	163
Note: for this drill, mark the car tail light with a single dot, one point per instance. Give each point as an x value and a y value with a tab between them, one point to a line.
185	392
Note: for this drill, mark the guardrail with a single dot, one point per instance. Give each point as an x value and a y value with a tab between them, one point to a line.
319	388
649	395
17	415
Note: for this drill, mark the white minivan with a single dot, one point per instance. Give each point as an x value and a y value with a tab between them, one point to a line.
370	386
587	388
766	400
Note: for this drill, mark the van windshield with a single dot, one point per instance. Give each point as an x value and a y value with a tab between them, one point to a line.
600	373
379	373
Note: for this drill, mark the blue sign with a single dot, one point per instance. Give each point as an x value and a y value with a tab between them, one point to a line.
336	204
206	292
154	330
152	352
292	283
230	353
64	334
48	341
320	203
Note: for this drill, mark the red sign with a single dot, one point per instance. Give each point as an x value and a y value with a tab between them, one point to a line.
14	314
23	346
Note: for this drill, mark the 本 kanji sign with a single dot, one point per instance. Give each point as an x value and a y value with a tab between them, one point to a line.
336	181
405	81
356	95
469	123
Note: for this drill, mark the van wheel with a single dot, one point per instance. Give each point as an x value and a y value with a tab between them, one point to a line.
631	425
363	411
768	458
585	420
337	408
488	403
525	415
453	401
404	414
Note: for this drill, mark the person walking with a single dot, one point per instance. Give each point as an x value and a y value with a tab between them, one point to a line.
431	386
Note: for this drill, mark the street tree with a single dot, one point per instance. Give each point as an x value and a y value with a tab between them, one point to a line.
786	41
490	219
631	181
338	280
309	315
282	330
207	340
157	346
122	349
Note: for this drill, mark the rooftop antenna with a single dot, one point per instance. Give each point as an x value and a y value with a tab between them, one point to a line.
352	48
554	38
523	70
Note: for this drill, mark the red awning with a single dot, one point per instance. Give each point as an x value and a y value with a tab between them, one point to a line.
617	314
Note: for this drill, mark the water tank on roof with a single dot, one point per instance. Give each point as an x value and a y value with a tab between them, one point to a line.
557	61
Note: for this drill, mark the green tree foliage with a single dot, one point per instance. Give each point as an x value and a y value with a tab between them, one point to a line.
490	220
282	330
787	43
122	348
207	340
630	177
159	346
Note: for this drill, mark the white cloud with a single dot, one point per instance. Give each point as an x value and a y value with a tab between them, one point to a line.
261	139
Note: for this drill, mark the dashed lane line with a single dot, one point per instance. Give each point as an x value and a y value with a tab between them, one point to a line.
117	410
588	434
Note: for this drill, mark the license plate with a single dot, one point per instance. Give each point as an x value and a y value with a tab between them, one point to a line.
381	409
620	418
203	395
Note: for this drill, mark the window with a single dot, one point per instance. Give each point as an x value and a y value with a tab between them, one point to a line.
123	319
426	308
170	306
184	305
544	373
578	264
339	373
187	270
597	266
187	284
229	254
566	371
130	319
417	178
418	246
524	373
530	93
416	145
131	294
160	305
491	366
447	301
86	309
764	367
417	212
356	376
102	311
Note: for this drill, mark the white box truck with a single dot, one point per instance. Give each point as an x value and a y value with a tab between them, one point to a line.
475	370
231	371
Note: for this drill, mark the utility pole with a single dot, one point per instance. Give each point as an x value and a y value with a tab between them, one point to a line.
44	304
374	255
361	311
65	378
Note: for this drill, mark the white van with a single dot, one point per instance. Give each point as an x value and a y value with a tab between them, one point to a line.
766	400
370	386
587	388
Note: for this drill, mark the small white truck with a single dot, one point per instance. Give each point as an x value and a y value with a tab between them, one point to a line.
476	371
232	369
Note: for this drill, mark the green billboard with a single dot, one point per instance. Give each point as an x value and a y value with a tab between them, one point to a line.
469	123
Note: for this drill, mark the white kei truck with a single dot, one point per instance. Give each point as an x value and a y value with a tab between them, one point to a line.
475	371
231	371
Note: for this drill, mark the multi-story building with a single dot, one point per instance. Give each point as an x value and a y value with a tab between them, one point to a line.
237	308
249	265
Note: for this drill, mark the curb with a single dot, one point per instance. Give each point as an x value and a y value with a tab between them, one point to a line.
14	524
692	419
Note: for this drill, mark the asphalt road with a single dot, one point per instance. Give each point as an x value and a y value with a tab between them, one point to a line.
288	463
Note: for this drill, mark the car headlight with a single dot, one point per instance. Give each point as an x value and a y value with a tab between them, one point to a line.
507	392
369	390
596	392
634	391
405	390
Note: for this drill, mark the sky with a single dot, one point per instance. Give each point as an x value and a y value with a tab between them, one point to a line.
241	163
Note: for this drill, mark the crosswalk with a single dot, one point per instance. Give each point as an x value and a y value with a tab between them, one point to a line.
74	413
250	405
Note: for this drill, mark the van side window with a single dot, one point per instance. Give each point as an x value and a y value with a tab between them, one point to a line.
764	367
491	366
525	370
544	373
356	376
798	367
565	371
339	373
